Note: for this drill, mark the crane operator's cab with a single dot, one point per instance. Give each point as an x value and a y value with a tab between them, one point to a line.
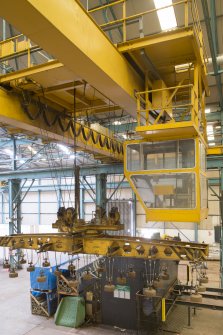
169	178
166	166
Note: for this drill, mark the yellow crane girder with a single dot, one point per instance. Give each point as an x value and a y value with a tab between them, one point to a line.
78	43
14	115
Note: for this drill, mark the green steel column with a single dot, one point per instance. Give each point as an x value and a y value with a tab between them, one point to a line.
15	218
214	29
14	197
221	238
134	222
14	206
101	196
195	232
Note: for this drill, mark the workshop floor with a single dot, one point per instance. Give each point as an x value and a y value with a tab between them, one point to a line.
16	318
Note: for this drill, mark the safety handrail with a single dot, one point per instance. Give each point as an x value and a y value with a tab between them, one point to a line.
177	111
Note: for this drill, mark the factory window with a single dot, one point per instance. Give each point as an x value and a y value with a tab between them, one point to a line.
202	156
179	154
133	157
167	190
203	191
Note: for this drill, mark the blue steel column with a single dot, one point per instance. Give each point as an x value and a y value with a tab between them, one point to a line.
101	196
82	203
3	207
14	204
39	207
59	198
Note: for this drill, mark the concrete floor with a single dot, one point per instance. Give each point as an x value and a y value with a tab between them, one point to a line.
16	318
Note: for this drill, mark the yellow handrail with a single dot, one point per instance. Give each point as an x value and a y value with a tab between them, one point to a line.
135	16
105	6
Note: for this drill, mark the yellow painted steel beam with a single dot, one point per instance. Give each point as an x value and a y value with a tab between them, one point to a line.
154	40
13	114
217	150
94	105
90	111
61	87
30	71
66	30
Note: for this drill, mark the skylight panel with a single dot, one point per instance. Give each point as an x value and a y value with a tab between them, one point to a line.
166	16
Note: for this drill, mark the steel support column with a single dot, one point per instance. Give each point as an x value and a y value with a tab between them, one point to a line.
14	197
101	196
14	215
134	215
82	203
212	45
221	238
14	202
3	214
195	232
39	203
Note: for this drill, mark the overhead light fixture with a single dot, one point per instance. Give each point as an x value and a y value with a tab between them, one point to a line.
64	148
32	149
183	67
166	16
207	110
116	123
211	138
210	130
218	127
211	144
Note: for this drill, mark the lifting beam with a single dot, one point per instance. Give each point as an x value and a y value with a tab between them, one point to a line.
122	246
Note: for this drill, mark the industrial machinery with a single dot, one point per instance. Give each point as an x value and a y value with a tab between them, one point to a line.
164	164
133	275
67	220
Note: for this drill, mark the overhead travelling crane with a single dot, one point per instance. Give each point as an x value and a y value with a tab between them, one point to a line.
165	167
79	44
168	109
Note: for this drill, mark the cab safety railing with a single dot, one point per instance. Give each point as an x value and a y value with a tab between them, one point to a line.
176	104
